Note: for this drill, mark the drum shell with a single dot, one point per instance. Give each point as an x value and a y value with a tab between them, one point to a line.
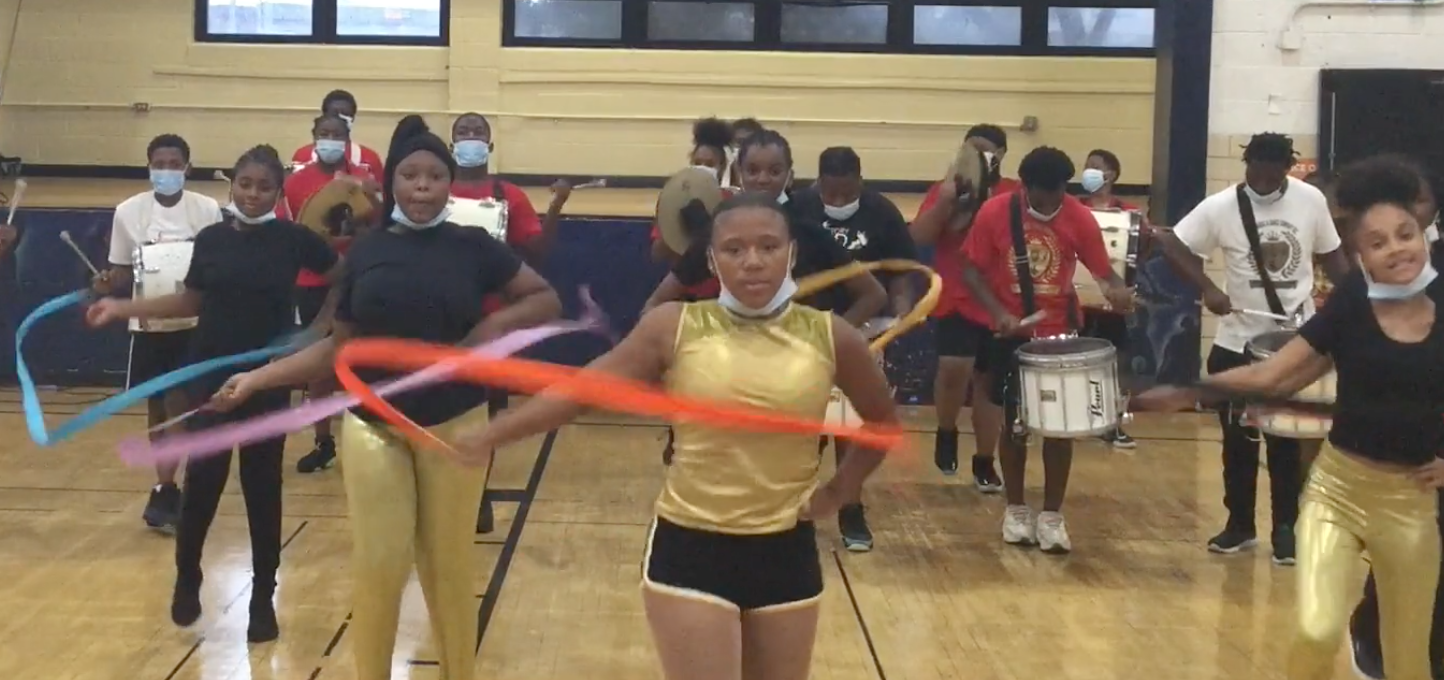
1292	425
1068	394
840	411
1121	230
1325	390
489	214
160	269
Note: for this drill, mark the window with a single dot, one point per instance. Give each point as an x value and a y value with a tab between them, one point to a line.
993	27
376	22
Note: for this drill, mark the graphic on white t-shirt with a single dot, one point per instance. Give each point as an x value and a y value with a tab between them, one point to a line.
1283	255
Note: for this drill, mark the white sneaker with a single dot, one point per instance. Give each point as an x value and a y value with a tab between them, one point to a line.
1018	526
1053	534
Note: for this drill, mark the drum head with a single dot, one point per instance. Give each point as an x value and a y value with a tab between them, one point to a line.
681	189
1267	344
1065	346
319	212
467	212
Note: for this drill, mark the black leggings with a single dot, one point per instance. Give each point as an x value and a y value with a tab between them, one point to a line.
205	479
1241	460
1364	627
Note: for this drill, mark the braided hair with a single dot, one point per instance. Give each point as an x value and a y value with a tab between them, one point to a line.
766	138
316	123
411	135
265	156
1271	148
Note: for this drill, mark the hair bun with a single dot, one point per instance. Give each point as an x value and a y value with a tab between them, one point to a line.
1377	180
711	132
410	126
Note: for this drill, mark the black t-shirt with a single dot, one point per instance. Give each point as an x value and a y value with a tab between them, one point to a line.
426	285
247	278
877	231
817	251
1390	404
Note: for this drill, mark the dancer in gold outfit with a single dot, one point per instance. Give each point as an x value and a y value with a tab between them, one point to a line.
1374	490
421	278
731	577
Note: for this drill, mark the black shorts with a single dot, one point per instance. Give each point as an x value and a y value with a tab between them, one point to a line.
956	336
751	572
309	300
1006	386
155	354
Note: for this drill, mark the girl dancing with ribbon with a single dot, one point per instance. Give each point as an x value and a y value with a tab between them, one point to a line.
731	577
1374	489
422	278
239	285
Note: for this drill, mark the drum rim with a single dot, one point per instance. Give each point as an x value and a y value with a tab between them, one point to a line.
1103	351
1253	347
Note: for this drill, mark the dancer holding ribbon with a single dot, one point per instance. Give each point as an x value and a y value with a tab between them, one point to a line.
165	214
422	278
239	287
731	577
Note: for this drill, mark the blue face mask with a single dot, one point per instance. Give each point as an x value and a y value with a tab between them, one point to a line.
1400	291
245	219
167	182
472	153
779	299
401	219
1092	180
330	151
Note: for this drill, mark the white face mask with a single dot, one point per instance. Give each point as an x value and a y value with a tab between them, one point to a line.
244	219
842	213
779	299
1042	217
400	218
1400	291
1264	199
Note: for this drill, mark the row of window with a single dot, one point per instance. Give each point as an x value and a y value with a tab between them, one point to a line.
903	26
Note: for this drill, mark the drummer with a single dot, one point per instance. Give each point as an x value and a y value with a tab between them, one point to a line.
1060	234
960	326
530	236
332	135
1100	172
1294	222
340	103
168	212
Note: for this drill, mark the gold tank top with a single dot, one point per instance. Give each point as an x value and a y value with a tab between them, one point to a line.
729	480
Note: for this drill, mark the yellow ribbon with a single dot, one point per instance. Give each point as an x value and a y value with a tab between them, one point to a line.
809	285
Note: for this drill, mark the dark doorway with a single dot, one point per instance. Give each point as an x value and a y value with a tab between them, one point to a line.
1363	112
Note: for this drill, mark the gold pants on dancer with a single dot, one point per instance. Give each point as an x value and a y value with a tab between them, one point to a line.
1350	508
410	507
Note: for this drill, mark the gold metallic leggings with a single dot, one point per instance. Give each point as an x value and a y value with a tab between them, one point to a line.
410	507
1349	508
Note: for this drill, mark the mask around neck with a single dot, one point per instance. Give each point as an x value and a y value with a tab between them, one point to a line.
779	299
1265	199
842	213
1400	291
400	218
1042	217
245	219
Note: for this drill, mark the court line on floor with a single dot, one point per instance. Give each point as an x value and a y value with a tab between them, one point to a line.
857	612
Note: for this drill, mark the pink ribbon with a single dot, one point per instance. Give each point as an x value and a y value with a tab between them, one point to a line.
176	448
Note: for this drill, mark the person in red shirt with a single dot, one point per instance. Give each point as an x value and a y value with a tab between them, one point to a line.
340	103
1059	232
332	137
960	326
528	234
1100	172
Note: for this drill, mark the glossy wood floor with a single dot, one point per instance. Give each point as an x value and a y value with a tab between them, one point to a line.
84	587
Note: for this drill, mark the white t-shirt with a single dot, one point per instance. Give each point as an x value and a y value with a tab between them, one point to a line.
141	220
1291	231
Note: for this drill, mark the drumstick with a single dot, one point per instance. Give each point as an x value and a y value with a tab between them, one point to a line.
220	176
1266	315
20	185
65	236
1028	321
594	184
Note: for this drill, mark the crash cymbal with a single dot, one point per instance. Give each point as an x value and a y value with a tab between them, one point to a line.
320	210
684	187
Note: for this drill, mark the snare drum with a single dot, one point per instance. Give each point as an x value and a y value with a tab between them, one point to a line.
485	213
839	409
1293	425
1120	230
1069	387
160	270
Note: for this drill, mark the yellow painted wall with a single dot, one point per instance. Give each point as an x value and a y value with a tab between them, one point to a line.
78	65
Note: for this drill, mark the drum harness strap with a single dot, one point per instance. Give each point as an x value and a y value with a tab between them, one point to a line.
1250	229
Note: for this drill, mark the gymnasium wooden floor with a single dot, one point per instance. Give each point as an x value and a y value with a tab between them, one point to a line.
85	588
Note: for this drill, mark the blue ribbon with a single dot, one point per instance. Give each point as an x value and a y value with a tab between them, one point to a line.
30	397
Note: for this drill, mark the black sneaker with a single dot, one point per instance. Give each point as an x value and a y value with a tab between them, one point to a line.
485	518
1119	439
320	458
852	522
945	451
263	626
985	476
1367	660
1231	540
185	601
162	511
1283	542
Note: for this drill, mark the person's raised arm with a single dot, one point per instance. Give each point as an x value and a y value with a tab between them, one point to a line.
938	214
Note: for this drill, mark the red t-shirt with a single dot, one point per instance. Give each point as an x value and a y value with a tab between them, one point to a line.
356	154
707	289
523	225
300	187
956	300
1054	251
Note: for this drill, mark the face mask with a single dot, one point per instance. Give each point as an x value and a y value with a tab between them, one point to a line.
1431	232
350	120
472	153
401	219
1400	291
841	213
1092	180
1042	217
783	295
707	169
167	182
330	151
245	219
1263	199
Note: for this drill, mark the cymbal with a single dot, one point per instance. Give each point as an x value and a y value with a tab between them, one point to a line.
969	166
681	189
318	213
